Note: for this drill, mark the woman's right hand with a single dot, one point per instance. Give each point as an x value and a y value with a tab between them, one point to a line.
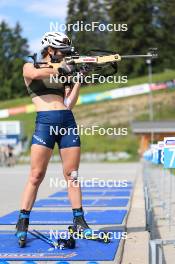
66	69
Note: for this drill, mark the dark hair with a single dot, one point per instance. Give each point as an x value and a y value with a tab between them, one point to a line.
44	52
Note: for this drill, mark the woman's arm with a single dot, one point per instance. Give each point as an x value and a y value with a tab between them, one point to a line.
73	97
30	72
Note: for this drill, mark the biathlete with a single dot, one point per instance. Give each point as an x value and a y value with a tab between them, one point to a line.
53	104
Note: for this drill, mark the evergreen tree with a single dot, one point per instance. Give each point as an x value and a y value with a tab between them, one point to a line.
150	24
166	30
87	11
71	16
140	34
13	50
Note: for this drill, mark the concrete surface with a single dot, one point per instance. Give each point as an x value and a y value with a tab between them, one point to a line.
136	248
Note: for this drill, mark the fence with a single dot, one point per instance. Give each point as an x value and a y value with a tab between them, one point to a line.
159	184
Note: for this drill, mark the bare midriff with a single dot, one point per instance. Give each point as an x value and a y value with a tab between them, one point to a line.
48	102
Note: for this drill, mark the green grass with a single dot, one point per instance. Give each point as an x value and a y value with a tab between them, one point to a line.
106	143
15	102
163	112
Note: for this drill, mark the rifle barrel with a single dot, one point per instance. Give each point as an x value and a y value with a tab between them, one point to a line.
139	56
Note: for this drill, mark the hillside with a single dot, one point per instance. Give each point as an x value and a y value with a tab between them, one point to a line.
115	113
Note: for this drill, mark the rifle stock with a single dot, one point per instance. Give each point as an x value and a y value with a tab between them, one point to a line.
96	60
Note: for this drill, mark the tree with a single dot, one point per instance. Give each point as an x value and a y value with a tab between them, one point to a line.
150	24
166	30
86	12
13	51
140	34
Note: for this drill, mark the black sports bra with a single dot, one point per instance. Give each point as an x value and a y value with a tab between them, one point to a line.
43	87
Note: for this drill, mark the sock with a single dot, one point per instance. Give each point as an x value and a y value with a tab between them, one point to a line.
78	212
24	214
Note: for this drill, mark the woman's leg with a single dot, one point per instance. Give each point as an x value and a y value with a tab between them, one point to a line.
40	157
70	159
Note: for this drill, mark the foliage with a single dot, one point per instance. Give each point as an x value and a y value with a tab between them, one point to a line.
13	50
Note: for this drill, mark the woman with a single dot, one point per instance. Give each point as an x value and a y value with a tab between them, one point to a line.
52	111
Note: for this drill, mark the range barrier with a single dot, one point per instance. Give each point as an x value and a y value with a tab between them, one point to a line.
156	250
159	182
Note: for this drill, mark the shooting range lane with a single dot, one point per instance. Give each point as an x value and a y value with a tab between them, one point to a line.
37	247
97	202
96	193
49	212
39	250
65	217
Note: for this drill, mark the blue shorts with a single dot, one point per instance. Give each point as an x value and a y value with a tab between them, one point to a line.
56	126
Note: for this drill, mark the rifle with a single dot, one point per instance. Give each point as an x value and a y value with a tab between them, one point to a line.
96	59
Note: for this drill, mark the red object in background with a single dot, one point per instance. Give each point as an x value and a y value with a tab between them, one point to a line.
158	86
17	110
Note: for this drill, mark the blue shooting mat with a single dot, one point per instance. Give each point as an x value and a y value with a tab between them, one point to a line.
113	183
60	218
106	188
96	193
89	202
111	187
37	249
